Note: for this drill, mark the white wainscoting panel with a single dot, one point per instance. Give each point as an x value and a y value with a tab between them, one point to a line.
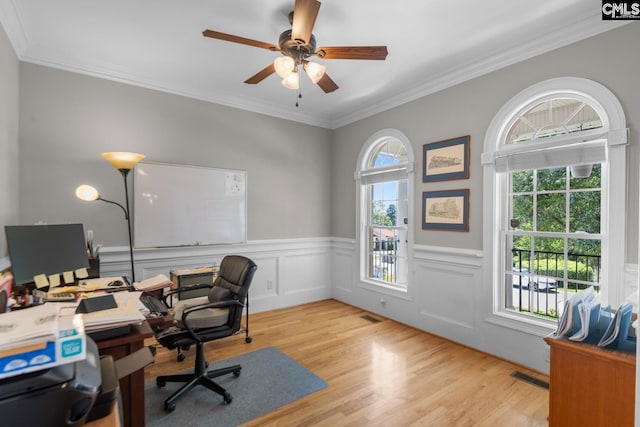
445	288
453	286
344	266
306	276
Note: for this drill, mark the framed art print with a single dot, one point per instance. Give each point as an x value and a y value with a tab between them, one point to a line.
446	160
445	210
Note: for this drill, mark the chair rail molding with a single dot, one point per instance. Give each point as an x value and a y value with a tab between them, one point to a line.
290	271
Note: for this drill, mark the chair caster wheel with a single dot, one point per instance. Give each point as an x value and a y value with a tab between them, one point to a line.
160	383
236	373
248	340
169	407
181	357
227	398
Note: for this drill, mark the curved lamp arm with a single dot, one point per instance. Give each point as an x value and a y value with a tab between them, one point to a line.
126	214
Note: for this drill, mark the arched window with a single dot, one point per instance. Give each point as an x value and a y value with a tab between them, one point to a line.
383	176
554	174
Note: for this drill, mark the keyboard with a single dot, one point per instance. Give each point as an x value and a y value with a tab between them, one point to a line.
154	304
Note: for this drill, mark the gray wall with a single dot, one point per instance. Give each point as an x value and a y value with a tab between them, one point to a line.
468	108
67	120
8	137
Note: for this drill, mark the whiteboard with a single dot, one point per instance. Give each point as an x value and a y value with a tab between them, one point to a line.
178	205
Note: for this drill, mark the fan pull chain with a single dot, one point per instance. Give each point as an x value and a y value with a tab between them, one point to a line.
299	97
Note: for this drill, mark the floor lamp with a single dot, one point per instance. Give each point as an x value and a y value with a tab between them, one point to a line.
124	162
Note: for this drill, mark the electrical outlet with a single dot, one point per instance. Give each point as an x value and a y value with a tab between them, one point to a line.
269	285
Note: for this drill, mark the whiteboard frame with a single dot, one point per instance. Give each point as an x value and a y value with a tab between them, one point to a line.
141	243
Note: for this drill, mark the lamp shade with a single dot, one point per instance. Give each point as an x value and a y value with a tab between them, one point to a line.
284	65
122	159
291	81
87	193
315	71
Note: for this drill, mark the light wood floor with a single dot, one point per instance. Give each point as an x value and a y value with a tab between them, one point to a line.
379	374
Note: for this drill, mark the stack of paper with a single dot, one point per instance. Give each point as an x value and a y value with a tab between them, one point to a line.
593	320
196	270
23	329
129	311
153	283
617	334
569	324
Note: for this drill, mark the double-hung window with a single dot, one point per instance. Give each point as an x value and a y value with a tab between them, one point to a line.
384	198
554	201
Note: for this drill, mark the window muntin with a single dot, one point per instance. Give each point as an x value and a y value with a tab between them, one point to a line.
389	152
553	117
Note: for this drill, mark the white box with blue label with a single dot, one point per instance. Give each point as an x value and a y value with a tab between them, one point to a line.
67	344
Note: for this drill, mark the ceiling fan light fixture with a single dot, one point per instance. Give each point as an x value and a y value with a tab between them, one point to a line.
284	65
315	71
291	81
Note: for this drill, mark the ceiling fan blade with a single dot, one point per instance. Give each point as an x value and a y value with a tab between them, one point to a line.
237	39
326	84
352	52
305	13
261	75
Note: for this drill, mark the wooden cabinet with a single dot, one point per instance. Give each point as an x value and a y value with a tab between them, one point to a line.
590	386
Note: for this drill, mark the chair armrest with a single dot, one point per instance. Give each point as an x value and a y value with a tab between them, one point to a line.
196	308
178	291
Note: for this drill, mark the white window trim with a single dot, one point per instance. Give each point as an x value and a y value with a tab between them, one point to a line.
614	127
361	177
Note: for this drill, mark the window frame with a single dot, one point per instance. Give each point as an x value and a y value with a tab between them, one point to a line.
613	135
395	172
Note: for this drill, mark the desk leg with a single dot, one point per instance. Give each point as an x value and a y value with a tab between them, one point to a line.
131	387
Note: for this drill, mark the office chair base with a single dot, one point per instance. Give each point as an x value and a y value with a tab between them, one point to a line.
199	377
192	380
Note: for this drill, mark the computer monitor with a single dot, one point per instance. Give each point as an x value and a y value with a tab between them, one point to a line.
45	249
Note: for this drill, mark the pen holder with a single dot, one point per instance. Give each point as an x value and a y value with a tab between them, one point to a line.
94	267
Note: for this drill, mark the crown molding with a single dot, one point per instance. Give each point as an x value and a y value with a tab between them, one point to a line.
581	30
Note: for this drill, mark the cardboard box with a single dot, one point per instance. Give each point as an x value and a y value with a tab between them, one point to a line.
69	346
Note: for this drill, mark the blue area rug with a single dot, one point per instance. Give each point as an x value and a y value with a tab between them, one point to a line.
269	380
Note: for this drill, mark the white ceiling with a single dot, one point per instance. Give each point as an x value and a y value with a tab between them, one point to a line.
159	44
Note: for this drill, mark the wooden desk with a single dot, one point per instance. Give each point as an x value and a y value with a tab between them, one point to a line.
590	385
132	386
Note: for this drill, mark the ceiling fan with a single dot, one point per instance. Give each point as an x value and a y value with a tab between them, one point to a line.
297	45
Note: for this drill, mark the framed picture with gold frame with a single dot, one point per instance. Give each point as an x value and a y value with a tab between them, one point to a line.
446	160
446	210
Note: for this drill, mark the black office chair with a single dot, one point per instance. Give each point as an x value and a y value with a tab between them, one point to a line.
218	316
